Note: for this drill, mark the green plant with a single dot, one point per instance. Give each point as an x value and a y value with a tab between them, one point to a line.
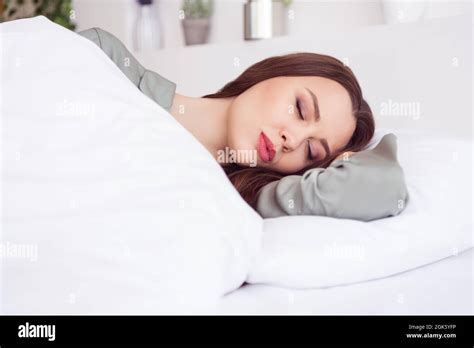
285	2
61	13
58	11
198	8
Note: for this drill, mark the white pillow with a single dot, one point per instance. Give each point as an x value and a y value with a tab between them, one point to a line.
316	251
121	208
378	135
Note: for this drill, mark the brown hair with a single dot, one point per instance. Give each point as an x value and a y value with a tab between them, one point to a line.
249	180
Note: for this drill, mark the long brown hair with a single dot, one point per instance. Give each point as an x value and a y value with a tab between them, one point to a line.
249	180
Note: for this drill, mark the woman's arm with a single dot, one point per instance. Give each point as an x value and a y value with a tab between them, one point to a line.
366	186
150	83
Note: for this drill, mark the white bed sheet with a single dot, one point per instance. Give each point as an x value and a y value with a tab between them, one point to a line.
443	287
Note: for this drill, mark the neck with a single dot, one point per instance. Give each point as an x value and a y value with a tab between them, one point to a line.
205	118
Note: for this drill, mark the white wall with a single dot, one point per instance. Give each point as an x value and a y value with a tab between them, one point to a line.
303	17
117	16
436	9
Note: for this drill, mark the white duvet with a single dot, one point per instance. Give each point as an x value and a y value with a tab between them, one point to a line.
128	212
111	206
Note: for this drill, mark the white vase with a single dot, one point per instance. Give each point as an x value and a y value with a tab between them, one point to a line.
258	19
147	31
403	11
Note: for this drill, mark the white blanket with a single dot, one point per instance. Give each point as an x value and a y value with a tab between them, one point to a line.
114	205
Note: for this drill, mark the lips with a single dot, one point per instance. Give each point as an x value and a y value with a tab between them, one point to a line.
266	149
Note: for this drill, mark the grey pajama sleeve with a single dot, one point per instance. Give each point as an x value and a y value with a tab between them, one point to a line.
153	85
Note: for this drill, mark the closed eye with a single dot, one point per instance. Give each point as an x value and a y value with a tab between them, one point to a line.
299	109
309	154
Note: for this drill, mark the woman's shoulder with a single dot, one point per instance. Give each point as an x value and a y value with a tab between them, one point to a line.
102	38
152	84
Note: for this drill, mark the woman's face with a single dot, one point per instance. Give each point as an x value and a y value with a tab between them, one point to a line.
283	108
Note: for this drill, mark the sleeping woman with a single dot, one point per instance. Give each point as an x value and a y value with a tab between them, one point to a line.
298	118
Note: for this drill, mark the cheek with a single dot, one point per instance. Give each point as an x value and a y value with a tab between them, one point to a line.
249	113
290	163
242	124
253	111
278	107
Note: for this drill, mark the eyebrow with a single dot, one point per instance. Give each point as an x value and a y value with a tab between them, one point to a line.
317	117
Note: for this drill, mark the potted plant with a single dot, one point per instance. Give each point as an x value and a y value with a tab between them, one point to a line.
196	20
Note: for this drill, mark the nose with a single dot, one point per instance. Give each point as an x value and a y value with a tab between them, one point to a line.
288	143
292	138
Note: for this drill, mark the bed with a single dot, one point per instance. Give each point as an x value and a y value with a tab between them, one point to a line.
94	223
441	288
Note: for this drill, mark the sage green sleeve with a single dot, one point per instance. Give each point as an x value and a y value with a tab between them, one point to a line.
368	185
149	82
